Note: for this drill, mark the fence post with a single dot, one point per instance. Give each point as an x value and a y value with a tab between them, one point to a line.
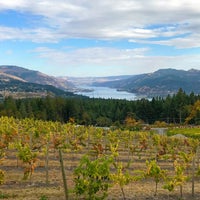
63	175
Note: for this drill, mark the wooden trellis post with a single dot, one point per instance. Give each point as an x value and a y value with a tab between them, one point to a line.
63	175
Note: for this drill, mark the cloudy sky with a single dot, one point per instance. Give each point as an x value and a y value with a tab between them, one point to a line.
100	38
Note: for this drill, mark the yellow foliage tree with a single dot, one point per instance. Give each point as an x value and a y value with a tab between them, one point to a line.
194	111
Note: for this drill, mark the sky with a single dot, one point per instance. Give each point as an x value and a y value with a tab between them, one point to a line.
100	38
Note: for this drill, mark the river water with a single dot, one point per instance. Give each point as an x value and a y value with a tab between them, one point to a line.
107	93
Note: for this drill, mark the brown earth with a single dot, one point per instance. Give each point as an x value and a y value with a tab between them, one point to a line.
15	188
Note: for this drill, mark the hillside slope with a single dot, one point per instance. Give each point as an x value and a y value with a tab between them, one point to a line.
36	77
14	82
159	83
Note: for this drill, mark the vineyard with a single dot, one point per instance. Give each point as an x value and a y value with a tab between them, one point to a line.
50	160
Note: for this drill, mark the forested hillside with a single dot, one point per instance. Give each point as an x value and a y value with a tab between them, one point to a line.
102	112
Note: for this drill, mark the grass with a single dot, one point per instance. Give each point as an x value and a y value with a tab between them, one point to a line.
193	132
44	197
7	196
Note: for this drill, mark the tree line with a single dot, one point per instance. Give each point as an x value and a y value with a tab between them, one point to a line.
103	112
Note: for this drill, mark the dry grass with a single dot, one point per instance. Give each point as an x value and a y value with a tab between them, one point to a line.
15	188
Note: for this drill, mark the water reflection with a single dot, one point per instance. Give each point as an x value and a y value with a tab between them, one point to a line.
106	93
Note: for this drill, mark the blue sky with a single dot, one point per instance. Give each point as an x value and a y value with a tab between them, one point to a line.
100	38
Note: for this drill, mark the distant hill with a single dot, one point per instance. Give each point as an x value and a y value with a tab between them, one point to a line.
80	81
33	76
23	82
20	83
159	83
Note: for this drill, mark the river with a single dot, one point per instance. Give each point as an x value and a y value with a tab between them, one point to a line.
107	93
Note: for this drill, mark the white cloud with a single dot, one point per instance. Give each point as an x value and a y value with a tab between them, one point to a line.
188	41
111	61
107	19
91	56
38	35
170	23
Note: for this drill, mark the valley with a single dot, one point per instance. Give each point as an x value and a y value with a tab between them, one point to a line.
159	83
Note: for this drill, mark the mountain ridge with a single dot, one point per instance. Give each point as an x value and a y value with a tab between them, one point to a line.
20	82
162	82
34	76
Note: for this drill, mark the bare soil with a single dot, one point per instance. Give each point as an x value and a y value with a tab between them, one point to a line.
15	188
